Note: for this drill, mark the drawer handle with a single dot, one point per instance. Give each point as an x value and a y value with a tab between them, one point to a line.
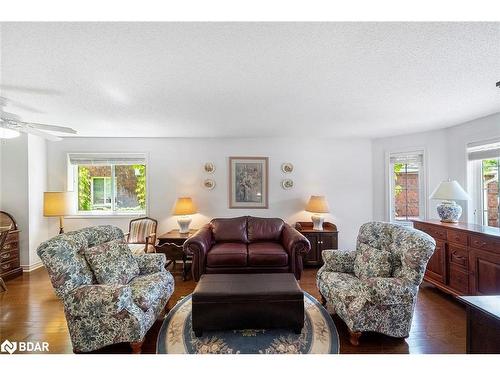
456	255
6	256
6	266
479	243
7	247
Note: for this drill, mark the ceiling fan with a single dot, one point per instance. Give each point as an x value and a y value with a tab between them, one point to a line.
11	126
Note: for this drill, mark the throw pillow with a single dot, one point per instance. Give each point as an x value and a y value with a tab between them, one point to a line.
372	262
112	262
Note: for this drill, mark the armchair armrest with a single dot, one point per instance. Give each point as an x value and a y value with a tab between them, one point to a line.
151	263
339	260
98	300
200	242
390	290
294	241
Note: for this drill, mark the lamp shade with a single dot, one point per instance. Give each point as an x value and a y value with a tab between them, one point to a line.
450	190
184	206
57	203
318	204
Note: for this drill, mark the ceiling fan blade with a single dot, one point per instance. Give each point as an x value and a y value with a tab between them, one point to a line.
54	128
30	90
7	116
4	101
39	133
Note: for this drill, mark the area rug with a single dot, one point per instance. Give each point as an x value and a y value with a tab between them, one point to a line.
319	335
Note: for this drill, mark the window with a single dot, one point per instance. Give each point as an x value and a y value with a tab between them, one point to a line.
406	187
485	163
109	184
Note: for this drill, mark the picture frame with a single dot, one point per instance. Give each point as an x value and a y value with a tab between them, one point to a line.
248	182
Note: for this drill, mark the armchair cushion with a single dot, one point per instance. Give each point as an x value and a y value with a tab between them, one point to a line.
112	262
339	260
227	254
140	229
148	289
150	263
230	230
98	300
264	229
372	262
390	291
346	287
140	248
267	254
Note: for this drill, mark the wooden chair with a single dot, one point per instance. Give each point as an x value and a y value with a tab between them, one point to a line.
141	235
4	231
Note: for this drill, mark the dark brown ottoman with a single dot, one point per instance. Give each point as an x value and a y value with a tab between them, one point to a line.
244	301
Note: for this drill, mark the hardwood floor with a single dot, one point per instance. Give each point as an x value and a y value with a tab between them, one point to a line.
30	311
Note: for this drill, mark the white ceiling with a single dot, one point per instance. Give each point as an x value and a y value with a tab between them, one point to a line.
251	79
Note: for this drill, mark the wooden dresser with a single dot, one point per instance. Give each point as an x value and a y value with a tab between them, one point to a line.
9	254
320	240
466	260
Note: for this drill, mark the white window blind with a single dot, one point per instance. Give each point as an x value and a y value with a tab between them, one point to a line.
406	158
106	159
484	150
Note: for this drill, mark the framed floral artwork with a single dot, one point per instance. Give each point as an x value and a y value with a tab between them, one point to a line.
248	182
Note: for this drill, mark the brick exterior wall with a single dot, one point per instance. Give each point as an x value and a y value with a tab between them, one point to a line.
492	203
410	182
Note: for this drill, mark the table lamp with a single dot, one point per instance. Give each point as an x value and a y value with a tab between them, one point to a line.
447	191
184	207
58	203
317	205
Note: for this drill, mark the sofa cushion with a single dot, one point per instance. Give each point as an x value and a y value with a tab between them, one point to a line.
148	289
267	254
264	229
112	262
230	230
227	254
372	262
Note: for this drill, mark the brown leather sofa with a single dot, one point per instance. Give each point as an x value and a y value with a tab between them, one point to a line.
247	244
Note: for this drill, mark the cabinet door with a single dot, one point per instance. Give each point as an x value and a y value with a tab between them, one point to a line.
484	277
436	268
312	256
327	242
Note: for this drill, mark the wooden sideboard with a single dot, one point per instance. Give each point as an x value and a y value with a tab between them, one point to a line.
320	240
9	253
466	260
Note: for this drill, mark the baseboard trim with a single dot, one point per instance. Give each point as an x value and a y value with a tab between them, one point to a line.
31	267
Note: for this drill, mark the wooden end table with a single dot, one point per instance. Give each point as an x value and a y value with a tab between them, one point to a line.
170	244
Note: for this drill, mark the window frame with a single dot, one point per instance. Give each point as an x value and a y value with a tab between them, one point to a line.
72	185
477	185
390	184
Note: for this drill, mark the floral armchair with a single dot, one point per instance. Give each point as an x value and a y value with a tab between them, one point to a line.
102	314
374	288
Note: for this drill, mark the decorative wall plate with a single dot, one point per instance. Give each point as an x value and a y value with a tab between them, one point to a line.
209	167
287	167
287	184
209	184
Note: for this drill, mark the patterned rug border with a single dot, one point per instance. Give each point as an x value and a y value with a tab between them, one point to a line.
334	342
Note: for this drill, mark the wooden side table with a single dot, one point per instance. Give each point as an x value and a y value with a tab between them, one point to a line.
320	240
170	244
483	324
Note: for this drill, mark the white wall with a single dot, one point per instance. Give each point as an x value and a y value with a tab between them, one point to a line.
446	157
37	184
23	179
339	169
14	186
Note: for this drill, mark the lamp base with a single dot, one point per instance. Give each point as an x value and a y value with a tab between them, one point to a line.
317	222
449	211
184	222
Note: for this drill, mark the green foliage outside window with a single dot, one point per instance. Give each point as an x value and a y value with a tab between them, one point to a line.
140	189
84	192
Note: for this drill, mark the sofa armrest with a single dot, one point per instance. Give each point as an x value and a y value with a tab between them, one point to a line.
339	260
200	242
151	263
390	290
98	300
294	242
